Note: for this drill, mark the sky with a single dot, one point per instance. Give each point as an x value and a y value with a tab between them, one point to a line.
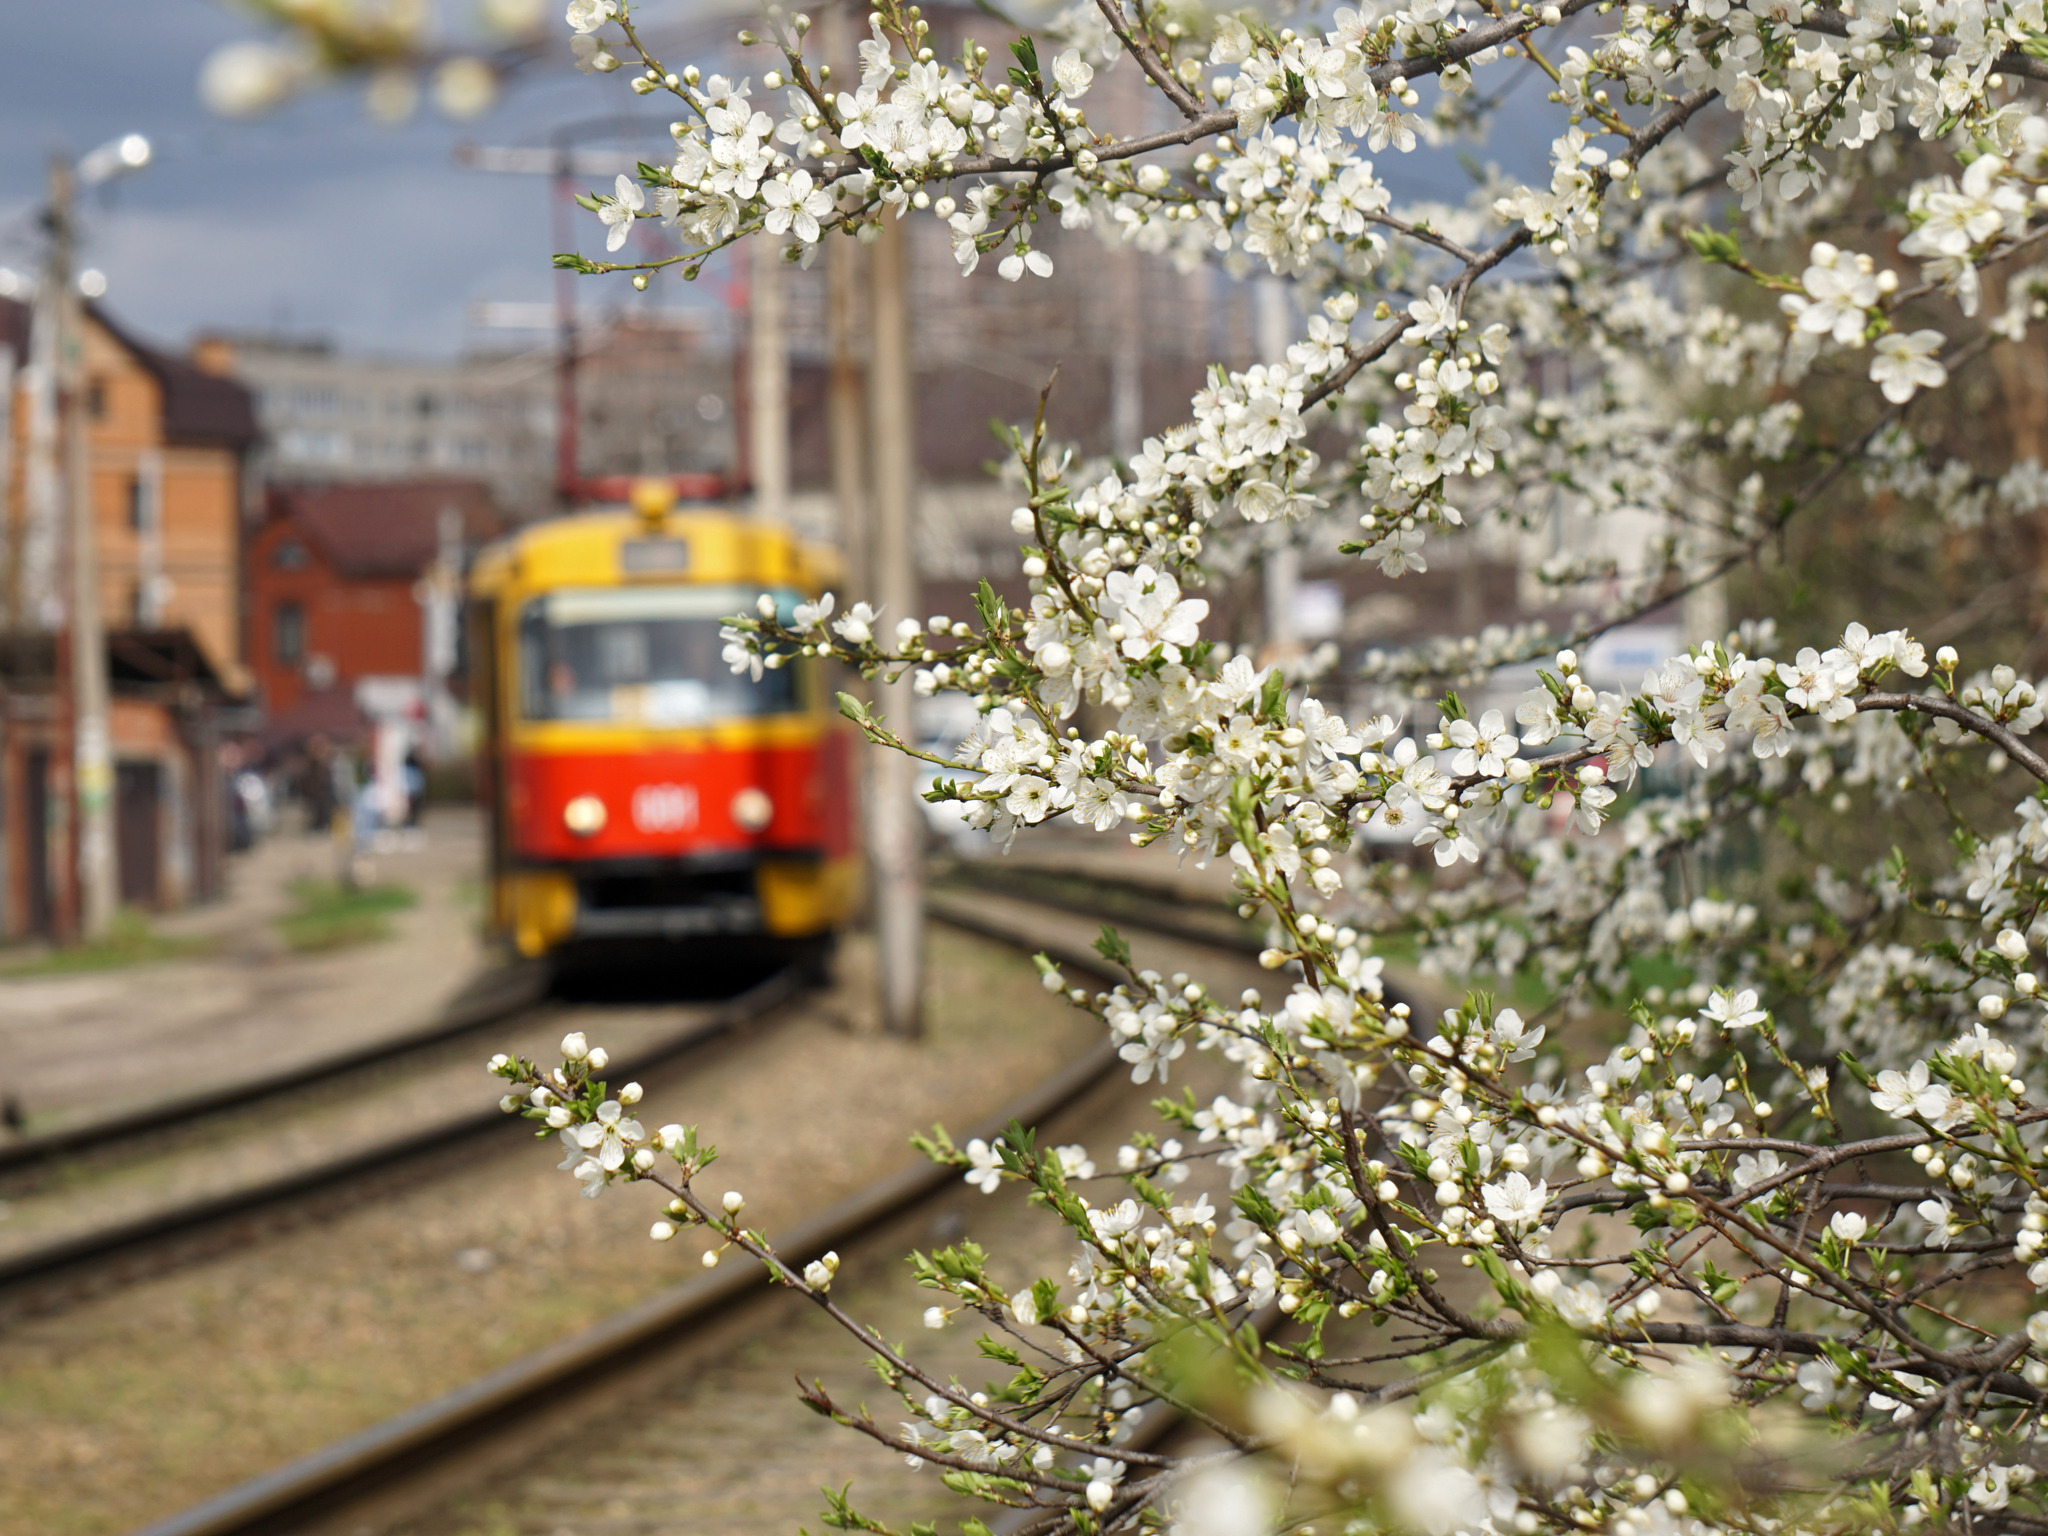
316	219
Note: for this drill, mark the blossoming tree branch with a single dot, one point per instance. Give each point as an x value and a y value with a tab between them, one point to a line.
1767	1254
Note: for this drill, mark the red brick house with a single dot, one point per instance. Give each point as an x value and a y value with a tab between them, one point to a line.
350	593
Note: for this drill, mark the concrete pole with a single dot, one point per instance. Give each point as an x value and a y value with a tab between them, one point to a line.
1283	555
11	529
154	585
1126	355
895	832
768	380
92	754
846	408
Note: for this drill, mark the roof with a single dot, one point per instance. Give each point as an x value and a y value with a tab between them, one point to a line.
385	529
138	661
330	712
199	407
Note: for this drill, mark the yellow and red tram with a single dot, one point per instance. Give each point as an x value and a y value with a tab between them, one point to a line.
638	791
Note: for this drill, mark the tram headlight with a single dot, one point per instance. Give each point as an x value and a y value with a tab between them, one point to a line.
585	816
752	810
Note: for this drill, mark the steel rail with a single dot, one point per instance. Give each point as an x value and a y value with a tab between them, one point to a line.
383	1454
90	1248
493	996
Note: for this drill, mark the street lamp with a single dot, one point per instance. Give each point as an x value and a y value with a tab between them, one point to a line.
92	766
116	157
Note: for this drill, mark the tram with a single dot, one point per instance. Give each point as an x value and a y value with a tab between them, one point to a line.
639	792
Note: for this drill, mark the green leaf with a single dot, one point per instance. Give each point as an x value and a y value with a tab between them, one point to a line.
1113	947
1045	1296
989	606
1714	245
1272	696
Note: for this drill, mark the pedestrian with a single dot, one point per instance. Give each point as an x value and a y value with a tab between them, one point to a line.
415	787
316	784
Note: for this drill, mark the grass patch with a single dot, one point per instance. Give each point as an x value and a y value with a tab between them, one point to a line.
129	940
330	915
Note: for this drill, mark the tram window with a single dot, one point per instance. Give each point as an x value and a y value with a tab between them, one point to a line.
647	656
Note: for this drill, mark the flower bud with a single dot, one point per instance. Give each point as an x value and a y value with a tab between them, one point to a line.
500	1062
599	1058
1946	658
1991	1007
935	1317
630	1094
643	1158
662	1231
575	1047
733	1201
710	1259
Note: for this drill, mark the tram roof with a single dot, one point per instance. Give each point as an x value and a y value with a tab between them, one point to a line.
623	547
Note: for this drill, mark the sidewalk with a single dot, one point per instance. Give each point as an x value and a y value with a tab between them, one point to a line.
82	1047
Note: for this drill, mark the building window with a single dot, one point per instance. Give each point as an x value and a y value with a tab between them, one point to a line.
288	634
289	556
96	399
138	505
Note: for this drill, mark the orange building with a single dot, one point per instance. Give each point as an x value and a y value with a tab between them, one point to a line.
165	446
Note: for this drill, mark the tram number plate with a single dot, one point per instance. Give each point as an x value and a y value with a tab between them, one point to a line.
665	807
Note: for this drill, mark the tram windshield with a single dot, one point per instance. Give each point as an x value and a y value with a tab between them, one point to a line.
647	656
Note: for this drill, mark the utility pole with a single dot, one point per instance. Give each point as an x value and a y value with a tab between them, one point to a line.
895	835
846	407
846	401
768	379
92	772
1283	556
568	465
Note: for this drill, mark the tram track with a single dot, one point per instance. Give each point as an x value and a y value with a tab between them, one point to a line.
423	1441
493	996
411	1444
135	1249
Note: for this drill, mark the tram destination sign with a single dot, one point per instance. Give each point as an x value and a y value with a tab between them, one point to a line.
653	557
